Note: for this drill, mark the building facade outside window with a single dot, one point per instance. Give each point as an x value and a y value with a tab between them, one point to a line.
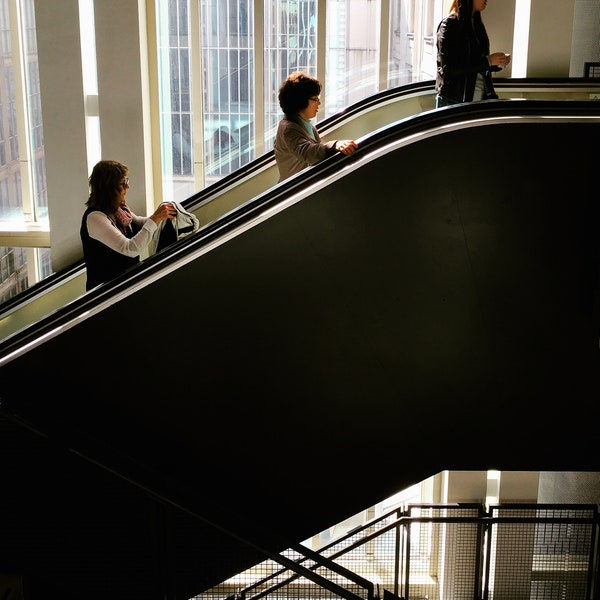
243	61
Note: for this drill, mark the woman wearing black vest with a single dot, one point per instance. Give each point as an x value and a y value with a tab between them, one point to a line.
112	236
464	62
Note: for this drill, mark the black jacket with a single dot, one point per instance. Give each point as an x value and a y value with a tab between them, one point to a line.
461	55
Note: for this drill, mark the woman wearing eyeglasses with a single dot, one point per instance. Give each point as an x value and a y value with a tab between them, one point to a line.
112	236
297	143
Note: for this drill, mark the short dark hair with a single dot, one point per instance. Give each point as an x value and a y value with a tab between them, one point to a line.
295	92
105	184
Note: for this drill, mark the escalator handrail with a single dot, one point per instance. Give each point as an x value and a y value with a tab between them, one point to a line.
436	120
190	247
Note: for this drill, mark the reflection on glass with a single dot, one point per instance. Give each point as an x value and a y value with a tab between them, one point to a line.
352	53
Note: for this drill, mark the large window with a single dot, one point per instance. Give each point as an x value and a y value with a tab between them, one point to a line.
23	197
218	117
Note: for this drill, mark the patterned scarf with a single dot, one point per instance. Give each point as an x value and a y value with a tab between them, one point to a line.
124	218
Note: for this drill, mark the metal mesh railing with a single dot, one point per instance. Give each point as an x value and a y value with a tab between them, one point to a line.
444	552
440	552
542	553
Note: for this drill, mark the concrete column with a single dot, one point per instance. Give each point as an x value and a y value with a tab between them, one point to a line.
499	20
519	487
123	109
465	486
123	97
63	114
550	38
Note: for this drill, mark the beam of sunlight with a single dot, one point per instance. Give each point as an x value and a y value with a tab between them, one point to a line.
90	81
521	38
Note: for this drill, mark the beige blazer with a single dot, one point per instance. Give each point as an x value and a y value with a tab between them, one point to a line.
295	149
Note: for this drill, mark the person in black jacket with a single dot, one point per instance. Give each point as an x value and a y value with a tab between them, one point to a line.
464	62
112	236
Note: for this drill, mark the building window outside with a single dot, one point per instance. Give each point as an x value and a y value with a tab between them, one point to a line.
22	165
13	272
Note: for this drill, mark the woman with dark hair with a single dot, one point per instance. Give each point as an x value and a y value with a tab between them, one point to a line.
297	143
464	62
112	236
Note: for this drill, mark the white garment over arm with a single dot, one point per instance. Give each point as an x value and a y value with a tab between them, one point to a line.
101	228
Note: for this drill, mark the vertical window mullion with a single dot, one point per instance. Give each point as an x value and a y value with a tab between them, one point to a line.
322	46
259	77
19	61
197	91
384	44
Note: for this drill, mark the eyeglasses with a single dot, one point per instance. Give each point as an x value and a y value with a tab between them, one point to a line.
317	100
125	182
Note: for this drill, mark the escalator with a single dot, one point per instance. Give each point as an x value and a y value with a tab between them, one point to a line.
428	303
230	192
257	177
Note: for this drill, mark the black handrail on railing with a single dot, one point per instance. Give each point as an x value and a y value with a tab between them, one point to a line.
319	561
550	550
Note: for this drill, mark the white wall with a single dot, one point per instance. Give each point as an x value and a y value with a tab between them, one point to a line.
550	38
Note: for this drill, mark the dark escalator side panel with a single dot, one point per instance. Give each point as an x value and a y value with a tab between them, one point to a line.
424	312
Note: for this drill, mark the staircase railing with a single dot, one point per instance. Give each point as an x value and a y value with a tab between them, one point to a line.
440	552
